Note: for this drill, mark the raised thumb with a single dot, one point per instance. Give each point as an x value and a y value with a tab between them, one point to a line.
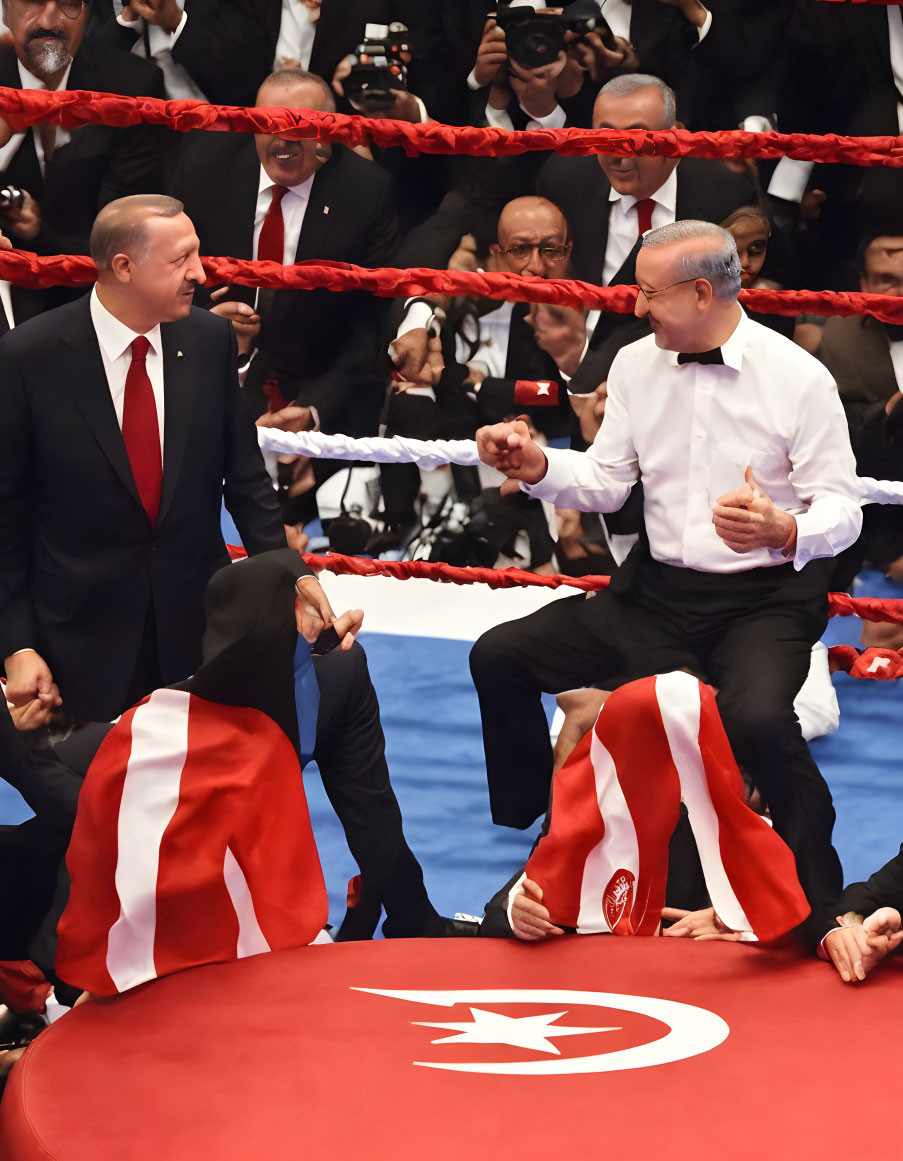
751	480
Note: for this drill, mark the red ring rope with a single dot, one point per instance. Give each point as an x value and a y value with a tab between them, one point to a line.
75	108
31	270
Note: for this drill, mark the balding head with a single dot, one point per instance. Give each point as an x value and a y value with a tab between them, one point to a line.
532	238
121	227
296	89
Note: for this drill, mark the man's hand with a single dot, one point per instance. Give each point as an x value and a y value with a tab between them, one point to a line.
28	678
313	614
166	14
25	222
406	107
746	519
537	89
700	925
848	948
884	929
510	448
599	62
560	331
529	919
244	319
492	55
418	356
291	418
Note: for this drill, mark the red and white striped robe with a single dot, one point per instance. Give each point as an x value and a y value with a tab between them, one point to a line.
602	865
192	845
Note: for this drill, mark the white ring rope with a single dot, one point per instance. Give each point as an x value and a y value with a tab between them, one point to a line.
434	453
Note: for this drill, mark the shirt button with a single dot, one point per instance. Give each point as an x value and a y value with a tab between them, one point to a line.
699	436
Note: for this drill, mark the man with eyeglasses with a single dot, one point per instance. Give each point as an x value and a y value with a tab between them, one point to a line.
740	441
68	175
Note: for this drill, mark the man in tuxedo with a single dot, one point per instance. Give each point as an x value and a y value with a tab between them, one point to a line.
749	477
296	201
70	174
121	433
611	202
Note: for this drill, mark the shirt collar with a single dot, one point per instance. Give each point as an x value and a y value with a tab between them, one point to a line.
114	336
665	195
732	349
300	191
30	81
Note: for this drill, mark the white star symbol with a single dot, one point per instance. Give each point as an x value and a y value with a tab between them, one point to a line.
531	1032
878	663
544	388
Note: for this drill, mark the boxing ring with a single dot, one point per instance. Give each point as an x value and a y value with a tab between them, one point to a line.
648	1048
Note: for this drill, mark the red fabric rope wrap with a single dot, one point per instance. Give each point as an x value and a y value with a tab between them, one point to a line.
30	270
78	107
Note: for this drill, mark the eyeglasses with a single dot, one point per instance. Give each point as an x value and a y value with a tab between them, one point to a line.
71	9
650	294
524	253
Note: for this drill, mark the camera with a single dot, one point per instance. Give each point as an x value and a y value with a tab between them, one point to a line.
534	39
12	198
378	65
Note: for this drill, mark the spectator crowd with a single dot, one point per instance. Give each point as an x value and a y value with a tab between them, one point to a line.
127	413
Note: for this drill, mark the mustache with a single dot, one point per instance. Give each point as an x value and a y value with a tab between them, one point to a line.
46	34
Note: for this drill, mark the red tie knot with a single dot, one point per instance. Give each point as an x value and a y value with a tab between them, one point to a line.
140	347
644	209
279	192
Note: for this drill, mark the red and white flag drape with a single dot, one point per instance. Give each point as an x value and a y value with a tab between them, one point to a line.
602	865
192	845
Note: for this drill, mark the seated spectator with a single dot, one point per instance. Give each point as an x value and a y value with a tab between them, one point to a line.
291	201
601	862
858	944
66	176
750	228
865	356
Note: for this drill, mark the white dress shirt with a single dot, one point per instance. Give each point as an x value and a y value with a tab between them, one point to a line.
115	340
296	34
180	86
11	148
294	207
690	432
492	352
896	358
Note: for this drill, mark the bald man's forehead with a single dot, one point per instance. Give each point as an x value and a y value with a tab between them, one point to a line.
520	221
298	95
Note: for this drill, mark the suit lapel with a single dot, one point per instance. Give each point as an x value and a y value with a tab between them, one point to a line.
179	393
90	391
318	217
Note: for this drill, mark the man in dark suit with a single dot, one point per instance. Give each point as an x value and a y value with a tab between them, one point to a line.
121	432
296	201
70	175
611	201
870	924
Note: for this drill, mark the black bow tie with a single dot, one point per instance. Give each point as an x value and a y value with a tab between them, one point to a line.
701	357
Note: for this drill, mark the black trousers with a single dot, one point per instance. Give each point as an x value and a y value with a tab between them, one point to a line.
749	634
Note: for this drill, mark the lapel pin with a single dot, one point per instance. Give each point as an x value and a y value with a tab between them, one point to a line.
179	355
326	209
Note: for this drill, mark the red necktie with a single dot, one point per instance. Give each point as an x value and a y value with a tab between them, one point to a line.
644	215
141	430
271	243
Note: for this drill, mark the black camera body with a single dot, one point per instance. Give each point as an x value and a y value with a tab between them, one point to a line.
534	39
378	65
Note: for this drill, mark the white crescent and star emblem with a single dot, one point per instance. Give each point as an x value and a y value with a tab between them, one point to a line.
692	1030
878	663
543	388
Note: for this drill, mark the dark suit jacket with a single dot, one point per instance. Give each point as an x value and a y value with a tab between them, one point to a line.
322	348
857	353
706	190
80	565
99	163
883	889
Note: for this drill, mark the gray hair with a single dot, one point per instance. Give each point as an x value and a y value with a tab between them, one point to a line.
121	227
290	78
718	262
631	83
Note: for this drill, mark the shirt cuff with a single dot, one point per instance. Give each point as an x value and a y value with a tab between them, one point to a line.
703	31
558	475
789	179
498	118
512	894
417	317
472	82
553	120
